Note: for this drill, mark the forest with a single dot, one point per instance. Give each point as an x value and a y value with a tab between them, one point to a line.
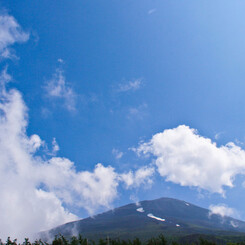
160	240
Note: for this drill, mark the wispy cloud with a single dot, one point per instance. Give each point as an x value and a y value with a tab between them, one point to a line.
130	85
218	135
151	11
10	33
61	61
138	112
58	88
55	147
4	78
118	154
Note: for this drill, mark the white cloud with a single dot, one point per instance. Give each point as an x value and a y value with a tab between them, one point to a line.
61	61
138	112
10	33
142	176
34	191
35	142
55	147
218	135
243	184
151	11
16	174
57	88
186	158
135	199
133	111
4	78
89	190
222	210
22	202
130	85
118	154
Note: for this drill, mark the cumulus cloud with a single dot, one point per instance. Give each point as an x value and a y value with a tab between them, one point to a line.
22	202
36	193
130	85
222	210
186	158
142	176
10	33
57	88
33	191
85	189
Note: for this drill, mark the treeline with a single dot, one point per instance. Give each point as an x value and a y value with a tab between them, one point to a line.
79	240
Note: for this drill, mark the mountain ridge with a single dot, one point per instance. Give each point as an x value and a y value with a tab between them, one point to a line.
167	216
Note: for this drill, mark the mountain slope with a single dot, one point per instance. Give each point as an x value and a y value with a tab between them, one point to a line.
168	216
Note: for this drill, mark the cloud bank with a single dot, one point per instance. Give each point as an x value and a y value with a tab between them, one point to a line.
186	158
24	207
34	191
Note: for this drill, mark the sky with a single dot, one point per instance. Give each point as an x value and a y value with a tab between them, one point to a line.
105	103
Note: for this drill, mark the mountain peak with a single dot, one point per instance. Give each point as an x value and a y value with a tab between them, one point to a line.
167	216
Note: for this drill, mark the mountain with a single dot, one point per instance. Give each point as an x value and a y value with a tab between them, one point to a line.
167	216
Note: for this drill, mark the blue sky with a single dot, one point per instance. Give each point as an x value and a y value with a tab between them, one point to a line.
100	78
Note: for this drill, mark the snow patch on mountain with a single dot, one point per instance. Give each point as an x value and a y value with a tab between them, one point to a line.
141	210
155	217
234	224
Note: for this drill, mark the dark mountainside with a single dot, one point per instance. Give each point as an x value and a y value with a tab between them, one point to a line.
167	216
